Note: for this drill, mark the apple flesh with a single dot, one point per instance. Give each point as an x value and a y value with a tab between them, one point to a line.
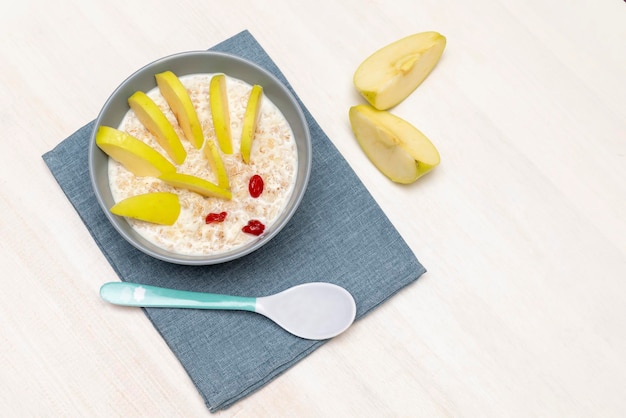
135	155
218	100
250	120
177	98
212	154
393	72
160	208
398	149
196	184
151	116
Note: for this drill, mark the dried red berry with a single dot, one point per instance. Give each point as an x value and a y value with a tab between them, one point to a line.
255	186
254	227
215	217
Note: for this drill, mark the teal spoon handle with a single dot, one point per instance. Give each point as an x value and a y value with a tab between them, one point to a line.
141	295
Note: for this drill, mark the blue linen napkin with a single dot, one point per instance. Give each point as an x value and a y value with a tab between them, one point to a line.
339	234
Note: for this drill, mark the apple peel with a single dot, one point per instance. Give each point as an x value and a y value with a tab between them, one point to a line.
218	100
159	207
196	184
136	156
177	98
250	121
155	121
212	154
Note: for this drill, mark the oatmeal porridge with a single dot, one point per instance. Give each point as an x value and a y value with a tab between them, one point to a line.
273	158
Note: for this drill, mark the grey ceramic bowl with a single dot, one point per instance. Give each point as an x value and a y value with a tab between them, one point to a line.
192	63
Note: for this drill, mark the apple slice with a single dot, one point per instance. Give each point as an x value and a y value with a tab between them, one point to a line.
393	72
176	96
196	184
398	149
151	116
250	120
212	154
218	99
138	157
160	208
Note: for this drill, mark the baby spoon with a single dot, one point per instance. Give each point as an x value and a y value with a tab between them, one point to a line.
314	311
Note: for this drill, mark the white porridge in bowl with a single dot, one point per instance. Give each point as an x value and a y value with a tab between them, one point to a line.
210	225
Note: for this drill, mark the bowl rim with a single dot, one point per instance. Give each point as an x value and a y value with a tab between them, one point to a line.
302	176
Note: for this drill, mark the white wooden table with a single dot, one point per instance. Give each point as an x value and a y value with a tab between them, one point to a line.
522	227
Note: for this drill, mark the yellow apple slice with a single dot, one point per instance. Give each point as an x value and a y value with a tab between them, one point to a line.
393	72
250	120
398	149
212	154
156	122
135	155
159	208
176	96
218	99
196	184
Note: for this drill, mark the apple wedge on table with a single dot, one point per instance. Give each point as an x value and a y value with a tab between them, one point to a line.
392	73
136	156
151	116
177	98
159	207
398	149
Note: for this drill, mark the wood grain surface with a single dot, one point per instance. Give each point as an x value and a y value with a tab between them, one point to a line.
522	227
